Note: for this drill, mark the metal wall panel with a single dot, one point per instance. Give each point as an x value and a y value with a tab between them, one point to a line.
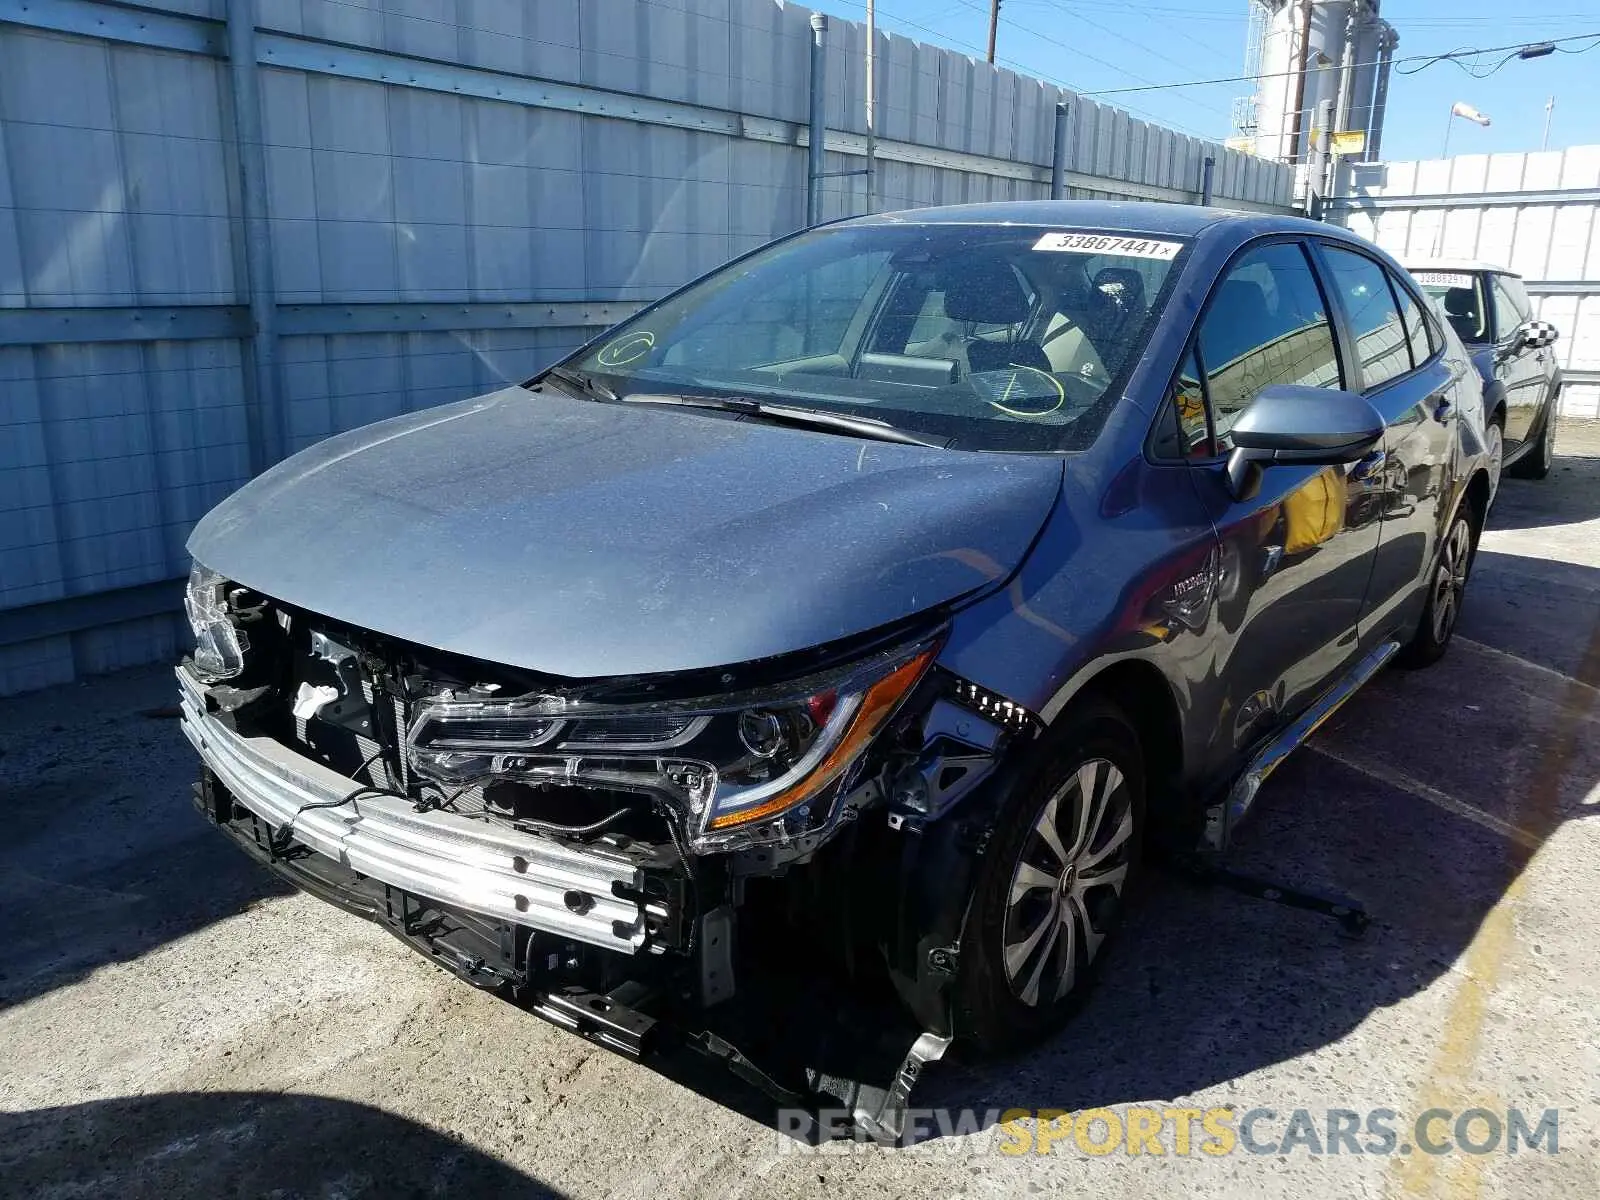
427	164
109	452
342	381
1537	213
118	189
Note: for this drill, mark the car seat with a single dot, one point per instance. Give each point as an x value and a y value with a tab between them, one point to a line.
986	291
1459	304
1117	299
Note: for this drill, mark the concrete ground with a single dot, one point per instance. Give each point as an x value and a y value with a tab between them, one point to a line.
174	1023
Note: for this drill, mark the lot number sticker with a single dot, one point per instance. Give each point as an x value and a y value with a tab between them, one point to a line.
1106	243
1449	279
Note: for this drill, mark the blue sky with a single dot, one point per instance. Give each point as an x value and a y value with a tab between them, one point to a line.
1094	44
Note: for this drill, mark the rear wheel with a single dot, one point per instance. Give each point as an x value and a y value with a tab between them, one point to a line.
1537	462
1446	591
1051	888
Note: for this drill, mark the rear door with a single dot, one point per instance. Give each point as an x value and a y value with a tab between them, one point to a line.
1397	365
1295	556
1522	368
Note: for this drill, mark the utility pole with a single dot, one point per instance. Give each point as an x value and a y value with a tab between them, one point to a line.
872	105
1549	108
994	26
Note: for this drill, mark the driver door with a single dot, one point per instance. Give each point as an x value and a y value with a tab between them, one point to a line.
1295	556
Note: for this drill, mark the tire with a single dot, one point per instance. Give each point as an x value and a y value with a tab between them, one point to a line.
1537	462
1446	590
1036	934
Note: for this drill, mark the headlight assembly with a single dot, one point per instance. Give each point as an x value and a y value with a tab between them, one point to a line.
219	645
746	768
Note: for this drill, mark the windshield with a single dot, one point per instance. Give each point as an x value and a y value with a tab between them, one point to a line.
1459	296
982	336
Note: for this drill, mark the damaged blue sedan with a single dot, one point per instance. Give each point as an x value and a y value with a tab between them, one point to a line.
863	615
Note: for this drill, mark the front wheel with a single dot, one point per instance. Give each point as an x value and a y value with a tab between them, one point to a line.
1446	591
1051	887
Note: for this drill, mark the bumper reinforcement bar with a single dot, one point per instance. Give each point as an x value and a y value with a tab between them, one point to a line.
589	894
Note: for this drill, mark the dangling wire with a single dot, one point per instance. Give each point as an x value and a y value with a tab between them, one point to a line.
284	834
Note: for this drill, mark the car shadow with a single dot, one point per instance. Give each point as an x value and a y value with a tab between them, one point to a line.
1209	986
208	1144
107	860
1568	495
104	857
1424	800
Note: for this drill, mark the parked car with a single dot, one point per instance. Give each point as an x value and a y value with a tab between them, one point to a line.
1488	309
869	603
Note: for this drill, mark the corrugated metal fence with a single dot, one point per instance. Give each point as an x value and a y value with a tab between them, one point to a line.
1538	214
443	196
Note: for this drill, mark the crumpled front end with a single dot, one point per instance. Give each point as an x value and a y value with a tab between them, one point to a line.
612	854
594	895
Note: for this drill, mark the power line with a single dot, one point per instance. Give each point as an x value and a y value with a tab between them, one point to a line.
1071	49
1208	14
1536	50
1061	8
1427	60
1011	62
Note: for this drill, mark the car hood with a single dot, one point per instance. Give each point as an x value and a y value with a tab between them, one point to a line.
588	540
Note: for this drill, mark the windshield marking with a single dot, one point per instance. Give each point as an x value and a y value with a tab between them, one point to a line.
626	349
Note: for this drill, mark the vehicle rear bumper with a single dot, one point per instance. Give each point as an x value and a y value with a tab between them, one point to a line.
589	895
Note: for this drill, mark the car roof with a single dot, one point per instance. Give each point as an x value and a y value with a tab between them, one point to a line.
1142	216
1454	264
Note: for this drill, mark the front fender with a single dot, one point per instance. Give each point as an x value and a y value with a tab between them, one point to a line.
935	868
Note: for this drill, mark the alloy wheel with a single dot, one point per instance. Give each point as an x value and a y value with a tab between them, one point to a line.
1450	581
1068	882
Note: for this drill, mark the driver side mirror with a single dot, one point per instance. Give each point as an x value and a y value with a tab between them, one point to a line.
1311	426
1536	335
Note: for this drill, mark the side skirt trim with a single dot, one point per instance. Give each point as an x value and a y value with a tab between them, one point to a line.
1224	817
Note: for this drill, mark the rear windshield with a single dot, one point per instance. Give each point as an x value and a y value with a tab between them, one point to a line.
993	337
1459	295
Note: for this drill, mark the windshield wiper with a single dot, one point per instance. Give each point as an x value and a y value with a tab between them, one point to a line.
585	385
783	414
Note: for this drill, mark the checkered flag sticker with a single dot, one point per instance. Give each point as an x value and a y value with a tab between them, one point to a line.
1540	333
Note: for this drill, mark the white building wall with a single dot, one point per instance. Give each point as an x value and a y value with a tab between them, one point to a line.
1536	213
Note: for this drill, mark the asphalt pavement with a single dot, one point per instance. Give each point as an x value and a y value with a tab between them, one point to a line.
175	1023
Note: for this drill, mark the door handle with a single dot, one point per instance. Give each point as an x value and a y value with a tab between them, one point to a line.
1366	468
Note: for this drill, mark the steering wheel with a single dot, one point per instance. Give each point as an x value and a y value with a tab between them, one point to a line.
1029	394
1023	392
